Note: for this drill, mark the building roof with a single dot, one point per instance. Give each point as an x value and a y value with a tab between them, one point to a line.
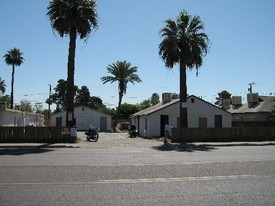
21	112
156	107
160	106
265	105
76	107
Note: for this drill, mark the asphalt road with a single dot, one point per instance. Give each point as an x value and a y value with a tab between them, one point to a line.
118	170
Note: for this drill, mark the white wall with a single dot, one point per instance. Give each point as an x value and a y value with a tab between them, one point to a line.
84	118
60	114
172	111
153	121
195	110
201	108
12	118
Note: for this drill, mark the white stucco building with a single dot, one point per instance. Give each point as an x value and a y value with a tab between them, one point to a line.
17	118
201	114
84	116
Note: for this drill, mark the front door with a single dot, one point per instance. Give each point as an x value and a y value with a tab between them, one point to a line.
163	120
202	122
103	124
218	121
58	122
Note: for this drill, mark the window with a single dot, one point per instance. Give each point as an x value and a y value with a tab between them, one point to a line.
192	100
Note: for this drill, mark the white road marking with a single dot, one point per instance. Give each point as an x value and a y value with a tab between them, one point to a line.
138	181
115	137
177	179
121	137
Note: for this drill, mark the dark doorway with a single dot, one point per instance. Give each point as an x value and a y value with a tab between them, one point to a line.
103	124
202	122
58	122
163	120
218	121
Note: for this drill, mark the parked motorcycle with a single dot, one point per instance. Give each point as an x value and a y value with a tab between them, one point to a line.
92	133
132	130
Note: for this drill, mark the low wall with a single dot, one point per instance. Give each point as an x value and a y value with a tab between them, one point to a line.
34	135
223	134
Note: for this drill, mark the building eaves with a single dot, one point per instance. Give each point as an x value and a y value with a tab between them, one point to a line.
155	108
160	106
21	112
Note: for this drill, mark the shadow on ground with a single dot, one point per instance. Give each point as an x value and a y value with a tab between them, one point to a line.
184	147
24	150
236	144
189	147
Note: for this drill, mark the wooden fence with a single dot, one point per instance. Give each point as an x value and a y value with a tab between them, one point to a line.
33	135
223	134
253	123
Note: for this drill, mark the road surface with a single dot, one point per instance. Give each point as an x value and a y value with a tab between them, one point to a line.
118	170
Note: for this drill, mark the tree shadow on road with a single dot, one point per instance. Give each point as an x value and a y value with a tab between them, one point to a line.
184	147
25	150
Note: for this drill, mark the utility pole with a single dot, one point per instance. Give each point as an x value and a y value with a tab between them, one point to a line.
250	87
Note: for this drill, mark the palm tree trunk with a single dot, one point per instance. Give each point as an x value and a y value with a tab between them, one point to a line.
70	122
118	110
183	96
12	84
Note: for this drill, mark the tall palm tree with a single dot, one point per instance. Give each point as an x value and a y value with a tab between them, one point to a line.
185	43
122	72
72	18
2	86
13	57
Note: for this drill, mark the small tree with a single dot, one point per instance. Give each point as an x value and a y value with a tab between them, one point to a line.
223	95
144	104
83	98
174	96
155	99
5	98
127	110
59	97
25	106
2	86
38	108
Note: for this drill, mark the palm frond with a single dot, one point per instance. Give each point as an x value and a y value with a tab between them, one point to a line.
183	41
14	57
78	14
122	72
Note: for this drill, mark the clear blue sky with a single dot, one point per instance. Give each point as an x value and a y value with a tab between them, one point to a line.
242	33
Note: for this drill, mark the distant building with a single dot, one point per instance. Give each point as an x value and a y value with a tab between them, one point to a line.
17	118
256	109
201	114
84	117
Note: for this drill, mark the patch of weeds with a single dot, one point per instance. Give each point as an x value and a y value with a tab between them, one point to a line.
160	139
78	140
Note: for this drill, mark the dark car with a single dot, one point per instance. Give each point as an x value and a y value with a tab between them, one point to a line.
123	125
